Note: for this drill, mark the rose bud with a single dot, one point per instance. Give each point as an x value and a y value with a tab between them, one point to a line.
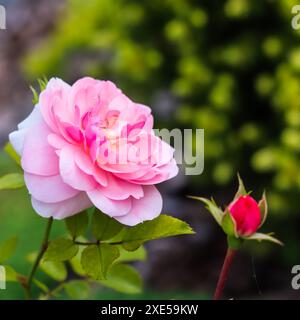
246	214
242	217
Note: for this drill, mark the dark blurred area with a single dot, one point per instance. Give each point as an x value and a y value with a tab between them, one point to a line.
231	67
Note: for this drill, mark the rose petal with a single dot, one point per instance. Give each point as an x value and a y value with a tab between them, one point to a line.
113	208
57	141
38	156
54	103
146	208
17	139
33	119
63	209
118	189
48	189
70	172
85	163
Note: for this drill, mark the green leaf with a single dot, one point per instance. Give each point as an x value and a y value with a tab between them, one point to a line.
55	270
77	224
263	207
123	278
40	285
262	236
75	262
10	274
211	206
161	227
241	190
7	248
229	225
12	181
96	259
77	289
9	149
138	255
61	250
104	227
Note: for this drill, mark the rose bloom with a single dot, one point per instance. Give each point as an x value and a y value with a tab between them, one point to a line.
88	144
246	214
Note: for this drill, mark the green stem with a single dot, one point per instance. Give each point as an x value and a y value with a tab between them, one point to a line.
87	243
224	273
54	291
90	243
23	281
39	257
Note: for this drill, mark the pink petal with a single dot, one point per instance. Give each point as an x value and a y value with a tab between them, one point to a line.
75	133
63	209
146	208
88	93
100	176
57	141
54	103
84	162
38	156
33	119
48	189
143	170
118	189
17	139
113	208
170	168
125	106
70	172
162	152
85	96
108	91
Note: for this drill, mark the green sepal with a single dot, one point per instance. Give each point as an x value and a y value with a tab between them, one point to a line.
241	190
35	98
42	86
263	207
263	237
229	225
212	207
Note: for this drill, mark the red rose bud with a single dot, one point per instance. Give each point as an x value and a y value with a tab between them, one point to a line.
246	214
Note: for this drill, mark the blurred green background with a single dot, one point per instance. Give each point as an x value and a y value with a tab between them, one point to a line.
231	67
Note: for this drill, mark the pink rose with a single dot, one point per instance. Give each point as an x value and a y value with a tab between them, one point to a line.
88	144
246	214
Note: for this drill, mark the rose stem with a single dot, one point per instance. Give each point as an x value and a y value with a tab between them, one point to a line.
224	273
39	256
